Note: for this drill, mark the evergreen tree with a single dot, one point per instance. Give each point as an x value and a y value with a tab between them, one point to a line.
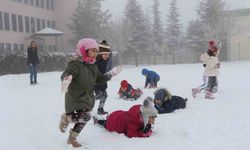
157	26
89	20
173	29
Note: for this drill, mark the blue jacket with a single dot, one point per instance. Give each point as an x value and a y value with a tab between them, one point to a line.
102	66
151	76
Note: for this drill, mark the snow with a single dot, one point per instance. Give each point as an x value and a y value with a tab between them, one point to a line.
30	114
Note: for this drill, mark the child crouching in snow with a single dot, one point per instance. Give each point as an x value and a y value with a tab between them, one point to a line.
136	122
79	79
126	91
167	103
151	78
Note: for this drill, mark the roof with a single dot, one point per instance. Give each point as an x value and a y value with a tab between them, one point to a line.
48	32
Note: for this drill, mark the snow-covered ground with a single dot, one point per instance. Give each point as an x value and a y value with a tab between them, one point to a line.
30	114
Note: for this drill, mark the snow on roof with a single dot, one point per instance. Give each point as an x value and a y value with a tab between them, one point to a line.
49	32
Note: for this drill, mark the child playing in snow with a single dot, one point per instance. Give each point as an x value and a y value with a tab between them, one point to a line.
78	81
136	122
151	78
211	64
126	91
167	103
100	90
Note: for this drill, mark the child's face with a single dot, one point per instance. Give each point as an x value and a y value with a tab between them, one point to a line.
105	56
157	101
92	53
151	119
123	89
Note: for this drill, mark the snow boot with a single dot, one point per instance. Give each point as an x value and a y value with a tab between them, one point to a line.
72	139
100	111
64	122
195	91
209	95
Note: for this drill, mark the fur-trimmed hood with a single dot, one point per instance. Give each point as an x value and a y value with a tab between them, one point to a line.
162	94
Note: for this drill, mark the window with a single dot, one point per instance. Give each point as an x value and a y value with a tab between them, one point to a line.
43	23
27	24
1	20
52	4
8	46
37	3
42	3
48	23
53	24
50	48
47	4
38	24
26	1
15	46
21	47
6	21
14	22
19	1
32	2
20	23
32	25
1	46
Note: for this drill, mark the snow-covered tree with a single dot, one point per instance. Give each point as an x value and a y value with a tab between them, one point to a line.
173	29
89	20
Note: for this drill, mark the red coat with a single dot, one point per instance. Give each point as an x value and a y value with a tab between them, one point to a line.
128	122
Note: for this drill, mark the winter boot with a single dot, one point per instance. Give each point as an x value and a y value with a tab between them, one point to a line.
100	111
195	91
64	122
72	139
31	82
209	95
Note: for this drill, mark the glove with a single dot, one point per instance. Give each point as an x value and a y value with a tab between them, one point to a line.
204	65
147	128
65	83
148	134
115	71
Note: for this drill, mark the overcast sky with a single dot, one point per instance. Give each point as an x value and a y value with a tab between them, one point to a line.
187	8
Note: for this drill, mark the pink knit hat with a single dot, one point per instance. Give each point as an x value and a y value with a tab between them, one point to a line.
84	45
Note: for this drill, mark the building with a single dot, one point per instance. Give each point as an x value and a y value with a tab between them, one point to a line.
238	41
21	19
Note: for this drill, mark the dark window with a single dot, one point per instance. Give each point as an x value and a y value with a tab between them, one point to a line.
52	4
6	21
27	24
19	1
1	46
26	1
42	3
32	2
53	25
47	4
32	25
50	48
8	46
15	46
48	23
38	24
43	23
37	3
21	47
14	22
1	20
20	23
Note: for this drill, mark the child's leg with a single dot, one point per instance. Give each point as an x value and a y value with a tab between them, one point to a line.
214	84
209	88
103	98
101	122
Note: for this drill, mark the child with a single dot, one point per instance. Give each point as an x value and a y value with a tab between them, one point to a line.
126	91
167	103
79	80
151	78
211	64
136	122
33	60
100	90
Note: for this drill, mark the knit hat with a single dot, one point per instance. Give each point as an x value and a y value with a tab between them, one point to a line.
84	45
104	47
124	84
213	44
144	71
147	110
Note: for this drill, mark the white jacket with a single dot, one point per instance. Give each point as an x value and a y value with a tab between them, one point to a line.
211	62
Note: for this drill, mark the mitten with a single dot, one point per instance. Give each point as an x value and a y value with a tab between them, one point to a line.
65	83
115	71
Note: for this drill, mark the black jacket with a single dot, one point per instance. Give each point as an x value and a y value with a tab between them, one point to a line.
102	64
32	56
168	106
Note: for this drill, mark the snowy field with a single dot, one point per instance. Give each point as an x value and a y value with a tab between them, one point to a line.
30	114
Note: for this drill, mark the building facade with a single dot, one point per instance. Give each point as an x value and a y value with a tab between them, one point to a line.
21	19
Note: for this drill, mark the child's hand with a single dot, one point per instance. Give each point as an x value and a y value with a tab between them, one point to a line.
115	71
65	83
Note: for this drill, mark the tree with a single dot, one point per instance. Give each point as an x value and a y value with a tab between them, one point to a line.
173	29
157	26
89	20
